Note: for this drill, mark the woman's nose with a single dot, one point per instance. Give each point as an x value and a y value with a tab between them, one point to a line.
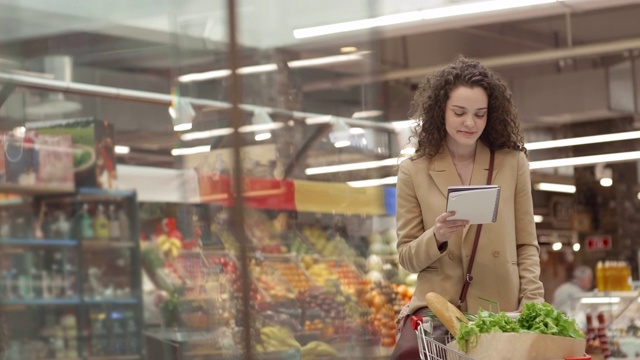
468	120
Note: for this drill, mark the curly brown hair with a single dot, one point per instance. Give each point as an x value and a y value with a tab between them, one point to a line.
428	108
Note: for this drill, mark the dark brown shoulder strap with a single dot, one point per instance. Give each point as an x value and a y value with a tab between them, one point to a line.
468	277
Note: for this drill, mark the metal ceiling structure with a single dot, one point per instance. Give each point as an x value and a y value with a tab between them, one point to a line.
127	59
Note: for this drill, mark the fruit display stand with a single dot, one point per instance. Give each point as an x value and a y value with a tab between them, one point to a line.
289	269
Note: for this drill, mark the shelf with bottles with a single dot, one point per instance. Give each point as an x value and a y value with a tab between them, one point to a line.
39	275
45	333
48	270
113	332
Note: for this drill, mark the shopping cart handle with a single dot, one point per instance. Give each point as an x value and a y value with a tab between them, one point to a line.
416	322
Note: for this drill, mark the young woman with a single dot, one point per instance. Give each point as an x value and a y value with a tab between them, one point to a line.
465	113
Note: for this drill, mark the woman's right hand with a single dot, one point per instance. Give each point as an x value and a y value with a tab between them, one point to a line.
444	229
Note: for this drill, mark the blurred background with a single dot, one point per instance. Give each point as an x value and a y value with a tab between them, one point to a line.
207	213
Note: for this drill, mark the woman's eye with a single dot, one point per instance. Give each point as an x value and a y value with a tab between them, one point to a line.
458	114
481	115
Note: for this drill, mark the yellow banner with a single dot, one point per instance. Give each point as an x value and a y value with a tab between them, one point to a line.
339	198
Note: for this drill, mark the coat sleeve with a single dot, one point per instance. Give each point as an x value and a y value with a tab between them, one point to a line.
531	289
417	247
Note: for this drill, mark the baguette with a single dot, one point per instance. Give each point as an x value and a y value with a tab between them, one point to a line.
446	312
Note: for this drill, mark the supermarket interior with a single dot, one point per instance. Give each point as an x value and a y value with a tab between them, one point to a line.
217	179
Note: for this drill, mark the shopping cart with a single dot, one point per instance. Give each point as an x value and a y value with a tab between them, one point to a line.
430	349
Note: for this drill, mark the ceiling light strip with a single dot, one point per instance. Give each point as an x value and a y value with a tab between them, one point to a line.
585	140
374	182
413	16
563	188
353	166
585	160
263	68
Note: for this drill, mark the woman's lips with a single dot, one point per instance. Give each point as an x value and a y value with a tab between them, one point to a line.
467	133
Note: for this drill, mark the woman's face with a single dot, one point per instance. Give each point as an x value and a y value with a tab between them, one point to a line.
465	115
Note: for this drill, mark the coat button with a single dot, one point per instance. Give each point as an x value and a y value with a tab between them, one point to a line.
451	255
496	253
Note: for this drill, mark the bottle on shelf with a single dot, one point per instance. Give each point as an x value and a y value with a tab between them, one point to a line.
83	224
114	223
101	223
5	225
123	222
600	285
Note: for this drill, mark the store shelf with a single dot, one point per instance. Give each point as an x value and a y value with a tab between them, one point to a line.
111	301
39	242
34	189
103	243
115	357
179	335
67	301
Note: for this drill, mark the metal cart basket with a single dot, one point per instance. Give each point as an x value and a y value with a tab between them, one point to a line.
431	349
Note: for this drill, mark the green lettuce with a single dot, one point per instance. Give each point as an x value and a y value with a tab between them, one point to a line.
543	318
539	318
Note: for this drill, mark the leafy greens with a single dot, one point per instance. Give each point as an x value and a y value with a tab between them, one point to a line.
540	318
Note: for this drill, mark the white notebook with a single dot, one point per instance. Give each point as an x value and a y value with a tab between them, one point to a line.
478	204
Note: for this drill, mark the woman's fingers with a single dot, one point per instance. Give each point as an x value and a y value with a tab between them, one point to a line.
445	228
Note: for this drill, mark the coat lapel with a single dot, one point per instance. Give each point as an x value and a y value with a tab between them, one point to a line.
481	165
443	172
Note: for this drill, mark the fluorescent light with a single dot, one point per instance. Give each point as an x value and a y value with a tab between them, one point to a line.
263	136
191	150
353	166
342	143
257	69
366	114
348	49
583	140
205	134
600	300
261	127
585	160
563	188
556	246
606	182
356	131
183	127
357	25
325	119
333	59
254	69
408	151
207	75
479	7
538	218
121	149
576	247
374	182
403	124
412	16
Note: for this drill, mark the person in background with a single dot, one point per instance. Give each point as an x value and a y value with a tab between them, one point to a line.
564	296
464	113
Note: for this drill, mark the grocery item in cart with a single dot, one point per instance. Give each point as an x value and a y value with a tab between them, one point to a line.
501	337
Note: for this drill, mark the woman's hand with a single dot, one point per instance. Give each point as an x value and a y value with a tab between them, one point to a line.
444	229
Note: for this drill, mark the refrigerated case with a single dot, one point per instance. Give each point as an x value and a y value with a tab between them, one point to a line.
71	280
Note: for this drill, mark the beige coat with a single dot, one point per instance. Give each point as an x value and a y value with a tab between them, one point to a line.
507	263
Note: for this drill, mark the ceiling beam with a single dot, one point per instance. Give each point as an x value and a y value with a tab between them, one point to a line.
528	58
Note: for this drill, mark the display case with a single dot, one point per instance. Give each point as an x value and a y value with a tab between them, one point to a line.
610	321
308	280
70	281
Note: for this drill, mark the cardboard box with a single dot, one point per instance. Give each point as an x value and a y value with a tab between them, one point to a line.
524	346
94	159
